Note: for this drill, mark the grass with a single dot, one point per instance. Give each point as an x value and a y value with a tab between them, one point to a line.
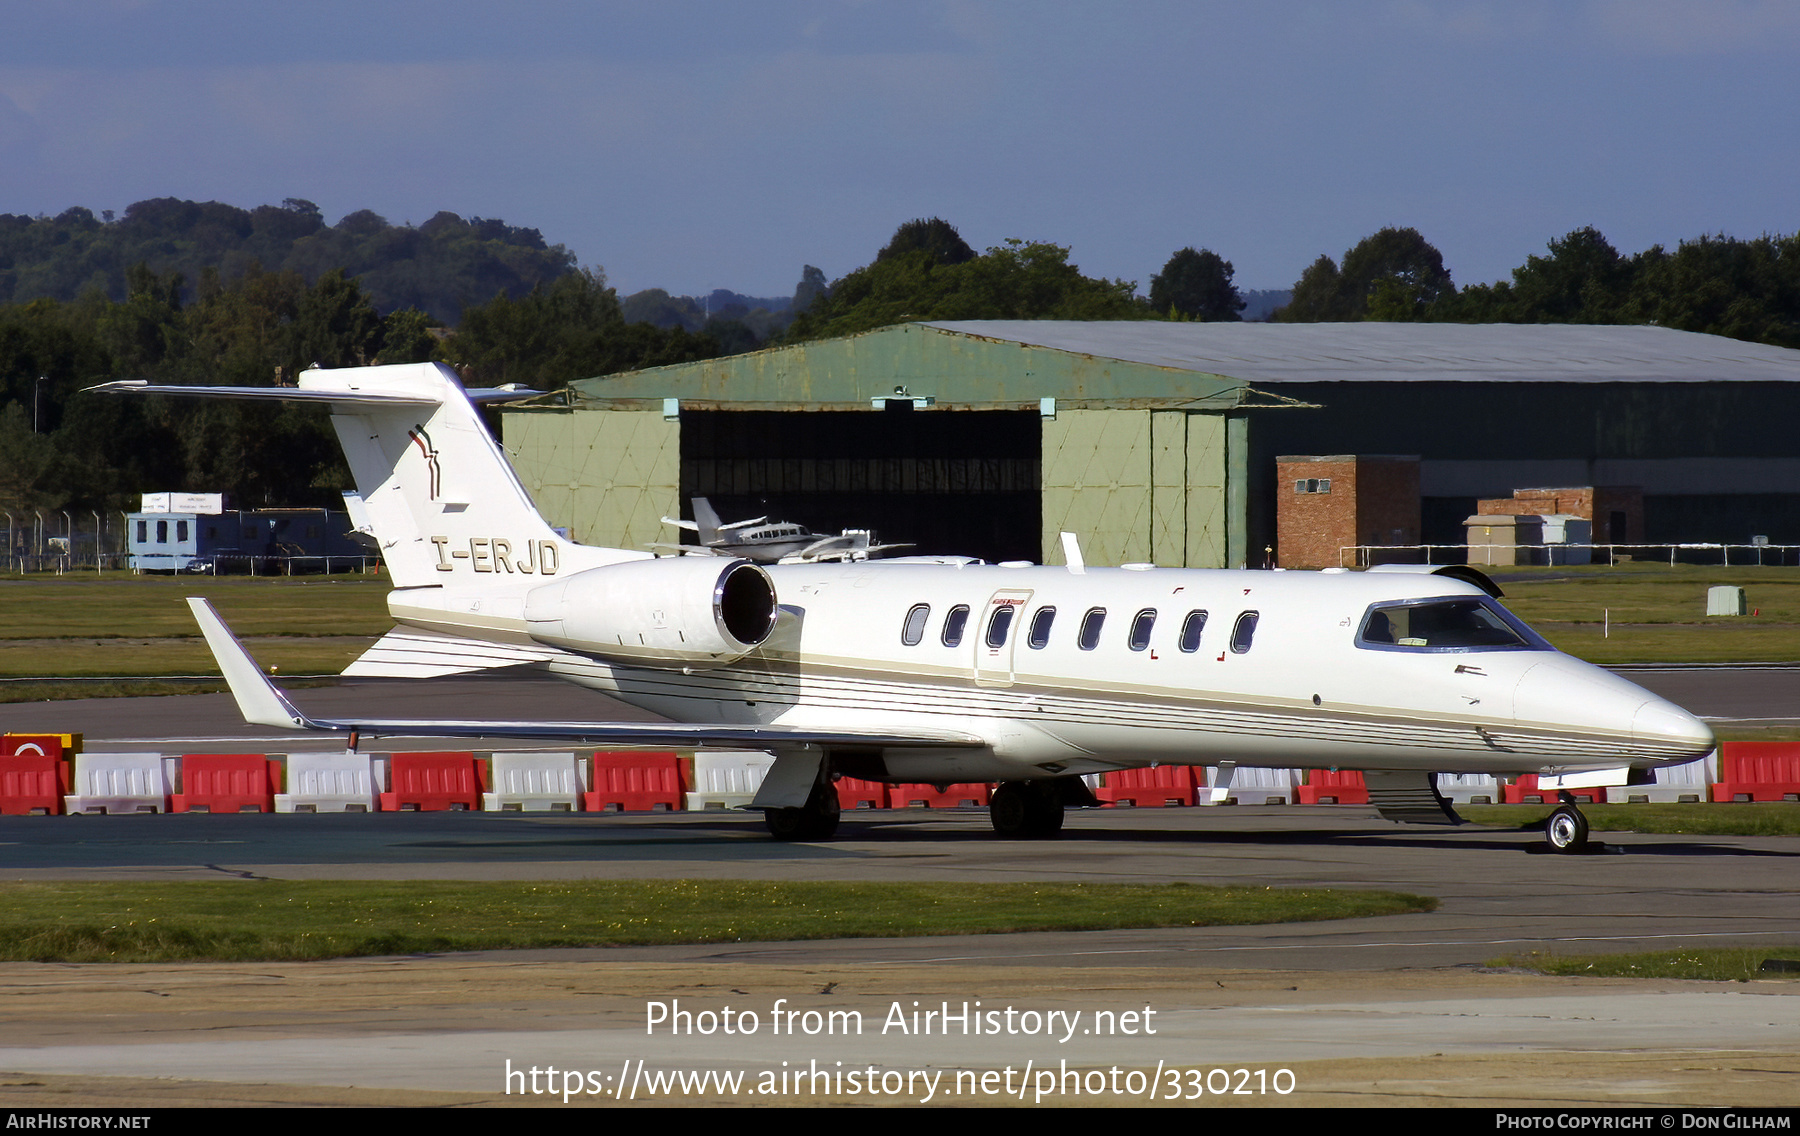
266	920
1778	818
138	628
1722	965
1657	613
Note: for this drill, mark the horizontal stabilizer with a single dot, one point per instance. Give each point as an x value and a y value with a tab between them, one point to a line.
342	397
276	394
408	653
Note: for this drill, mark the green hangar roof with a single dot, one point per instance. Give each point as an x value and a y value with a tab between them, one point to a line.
993	364
959	365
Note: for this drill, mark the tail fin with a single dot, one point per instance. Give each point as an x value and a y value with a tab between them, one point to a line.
706	522
440	495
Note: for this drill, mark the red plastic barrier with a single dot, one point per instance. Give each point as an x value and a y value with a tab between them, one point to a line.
1526	792
854	794
1758	771
227	783
927	796
37	745
1150	788
432	782
635	782
33	783
1333	787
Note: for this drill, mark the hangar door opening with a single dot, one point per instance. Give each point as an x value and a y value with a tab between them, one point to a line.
955	482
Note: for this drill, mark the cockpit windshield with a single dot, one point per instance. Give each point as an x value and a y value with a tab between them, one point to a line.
1465	623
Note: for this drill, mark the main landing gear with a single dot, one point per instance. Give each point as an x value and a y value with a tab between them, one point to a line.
815	820
1027	810
1566	830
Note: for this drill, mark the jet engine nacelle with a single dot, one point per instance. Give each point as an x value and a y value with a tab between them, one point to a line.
686	611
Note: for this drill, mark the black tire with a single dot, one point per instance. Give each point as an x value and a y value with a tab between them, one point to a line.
816	820
1009	811
1025	810
1566	830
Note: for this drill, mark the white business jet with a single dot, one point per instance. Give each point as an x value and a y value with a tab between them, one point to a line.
909	670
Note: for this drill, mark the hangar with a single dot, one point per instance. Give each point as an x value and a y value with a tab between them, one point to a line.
1157	442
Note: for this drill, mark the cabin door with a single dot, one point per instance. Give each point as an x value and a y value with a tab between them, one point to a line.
1001	624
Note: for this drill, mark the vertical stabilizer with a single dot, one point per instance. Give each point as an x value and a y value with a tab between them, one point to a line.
706	522
445	504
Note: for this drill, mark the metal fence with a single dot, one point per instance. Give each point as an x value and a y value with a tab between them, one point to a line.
1482	555
61	542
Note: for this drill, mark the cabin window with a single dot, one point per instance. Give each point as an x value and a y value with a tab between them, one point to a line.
1040	628
1090	628
162	532
181	532
1191	627
954	622
1140	628
143	532
998	625
913	629
1242	632
1460	624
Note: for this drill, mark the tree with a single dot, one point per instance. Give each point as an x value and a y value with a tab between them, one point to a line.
935	236
1583	280
571	328
812	286
1197	285
1317	295
406	337
1014	280
1394	274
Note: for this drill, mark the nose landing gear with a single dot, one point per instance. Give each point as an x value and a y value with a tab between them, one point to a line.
1566	830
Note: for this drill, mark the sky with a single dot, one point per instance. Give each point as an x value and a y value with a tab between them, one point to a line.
700	144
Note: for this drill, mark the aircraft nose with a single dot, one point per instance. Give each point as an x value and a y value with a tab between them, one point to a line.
1564	692
1664	724
1560	691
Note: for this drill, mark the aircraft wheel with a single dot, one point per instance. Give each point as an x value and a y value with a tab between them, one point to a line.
1047	819
816	820
1009	811
1566	830
1025	810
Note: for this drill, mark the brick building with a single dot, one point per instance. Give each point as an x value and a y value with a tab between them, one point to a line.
1327	504
1616	511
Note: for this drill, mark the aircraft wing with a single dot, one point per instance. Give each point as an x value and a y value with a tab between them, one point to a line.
263	704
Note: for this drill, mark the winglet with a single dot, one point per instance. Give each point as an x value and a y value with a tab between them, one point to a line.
258	700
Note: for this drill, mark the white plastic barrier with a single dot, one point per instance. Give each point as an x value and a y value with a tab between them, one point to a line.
120	783
328	783
1674	784
1254	786
727	779
535	783
1470	788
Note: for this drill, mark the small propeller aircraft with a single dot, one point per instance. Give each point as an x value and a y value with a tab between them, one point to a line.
763	541
944	670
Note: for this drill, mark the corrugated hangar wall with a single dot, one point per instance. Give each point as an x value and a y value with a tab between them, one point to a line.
609	478
1138	486
1138	479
